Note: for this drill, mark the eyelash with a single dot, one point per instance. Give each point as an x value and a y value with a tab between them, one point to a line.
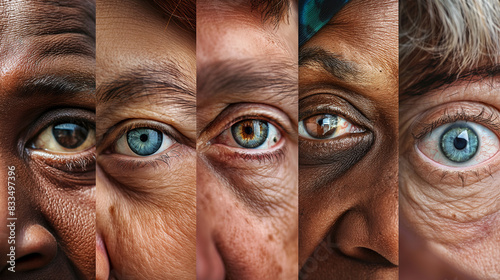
490	121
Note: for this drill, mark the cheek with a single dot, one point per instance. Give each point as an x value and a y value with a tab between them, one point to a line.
151	228
72	214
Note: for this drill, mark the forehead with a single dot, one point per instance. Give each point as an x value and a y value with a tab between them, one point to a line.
364	32
132	34
45	37
238	32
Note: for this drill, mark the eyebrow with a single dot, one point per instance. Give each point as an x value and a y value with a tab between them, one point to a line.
248	76
54	85
433	80
165	82
332	63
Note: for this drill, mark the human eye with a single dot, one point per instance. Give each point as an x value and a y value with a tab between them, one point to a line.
459	144
250	134
137	143
64	139
326	126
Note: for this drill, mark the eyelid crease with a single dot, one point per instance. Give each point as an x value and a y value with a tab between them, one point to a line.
491	120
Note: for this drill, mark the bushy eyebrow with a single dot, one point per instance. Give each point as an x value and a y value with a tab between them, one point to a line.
332	63
54	85
248	76
435	80
161	82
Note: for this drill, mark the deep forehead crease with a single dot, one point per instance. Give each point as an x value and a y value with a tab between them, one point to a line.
36	18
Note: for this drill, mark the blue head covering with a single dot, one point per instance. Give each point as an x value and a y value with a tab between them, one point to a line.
314	14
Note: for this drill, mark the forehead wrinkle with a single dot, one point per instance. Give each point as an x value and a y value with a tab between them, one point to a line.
246	79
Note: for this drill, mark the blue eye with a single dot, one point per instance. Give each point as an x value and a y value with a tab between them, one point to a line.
143	141
459	143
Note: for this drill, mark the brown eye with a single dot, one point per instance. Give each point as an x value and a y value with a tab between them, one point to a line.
65	138
326	126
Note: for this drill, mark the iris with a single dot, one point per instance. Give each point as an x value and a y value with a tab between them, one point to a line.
321	126
459	143
70	135
144	141
250	133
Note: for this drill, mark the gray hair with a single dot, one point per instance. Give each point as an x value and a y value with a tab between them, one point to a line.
443	40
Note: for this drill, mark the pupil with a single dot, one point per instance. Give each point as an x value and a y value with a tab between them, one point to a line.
248	130
143	137
460	143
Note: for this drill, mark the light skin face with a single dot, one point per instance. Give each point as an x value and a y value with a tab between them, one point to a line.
246	197
454	206
348	184
146	204
47	80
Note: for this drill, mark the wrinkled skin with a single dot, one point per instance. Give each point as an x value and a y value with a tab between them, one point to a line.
47	61
146	205
455	209
246	198
348	188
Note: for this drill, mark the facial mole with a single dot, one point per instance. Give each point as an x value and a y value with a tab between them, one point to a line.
111	210
270	237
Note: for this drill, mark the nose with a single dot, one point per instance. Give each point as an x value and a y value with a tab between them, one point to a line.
35	248
370	235
209	263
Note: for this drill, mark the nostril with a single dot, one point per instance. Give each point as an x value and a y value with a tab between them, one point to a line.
366	255
30	261
36	248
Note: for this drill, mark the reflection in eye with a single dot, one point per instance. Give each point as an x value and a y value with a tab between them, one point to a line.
460	144
142	141
66	138
326	126
250	134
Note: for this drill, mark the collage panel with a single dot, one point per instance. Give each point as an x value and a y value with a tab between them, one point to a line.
146	134
247	139
47	122
449	139
348	132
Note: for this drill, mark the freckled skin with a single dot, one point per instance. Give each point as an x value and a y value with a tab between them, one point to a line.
246	208
145	214
55	208
349	221
457	215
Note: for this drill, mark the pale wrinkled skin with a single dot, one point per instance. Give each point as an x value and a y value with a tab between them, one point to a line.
455	209
145	212
246	208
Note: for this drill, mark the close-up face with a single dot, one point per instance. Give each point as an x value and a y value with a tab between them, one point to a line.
146	143
450	141
48	144
348	128
247	142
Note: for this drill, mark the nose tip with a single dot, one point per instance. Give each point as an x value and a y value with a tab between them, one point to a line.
35	248
369	241
209	264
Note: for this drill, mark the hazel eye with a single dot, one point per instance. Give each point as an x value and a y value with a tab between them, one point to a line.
66	138
326	126
143	141
460	144
250	134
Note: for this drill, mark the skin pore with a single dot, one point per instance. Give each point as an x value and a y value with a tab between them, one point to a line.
348	189
47	92
145	83
246	197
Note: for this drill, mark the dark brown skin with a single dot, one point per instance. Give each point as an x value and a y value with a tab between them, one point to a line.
348	187
55	205
146	205
246	198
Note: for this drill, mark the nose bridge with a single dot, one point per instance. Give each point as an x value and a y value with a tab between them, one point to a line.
209	263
